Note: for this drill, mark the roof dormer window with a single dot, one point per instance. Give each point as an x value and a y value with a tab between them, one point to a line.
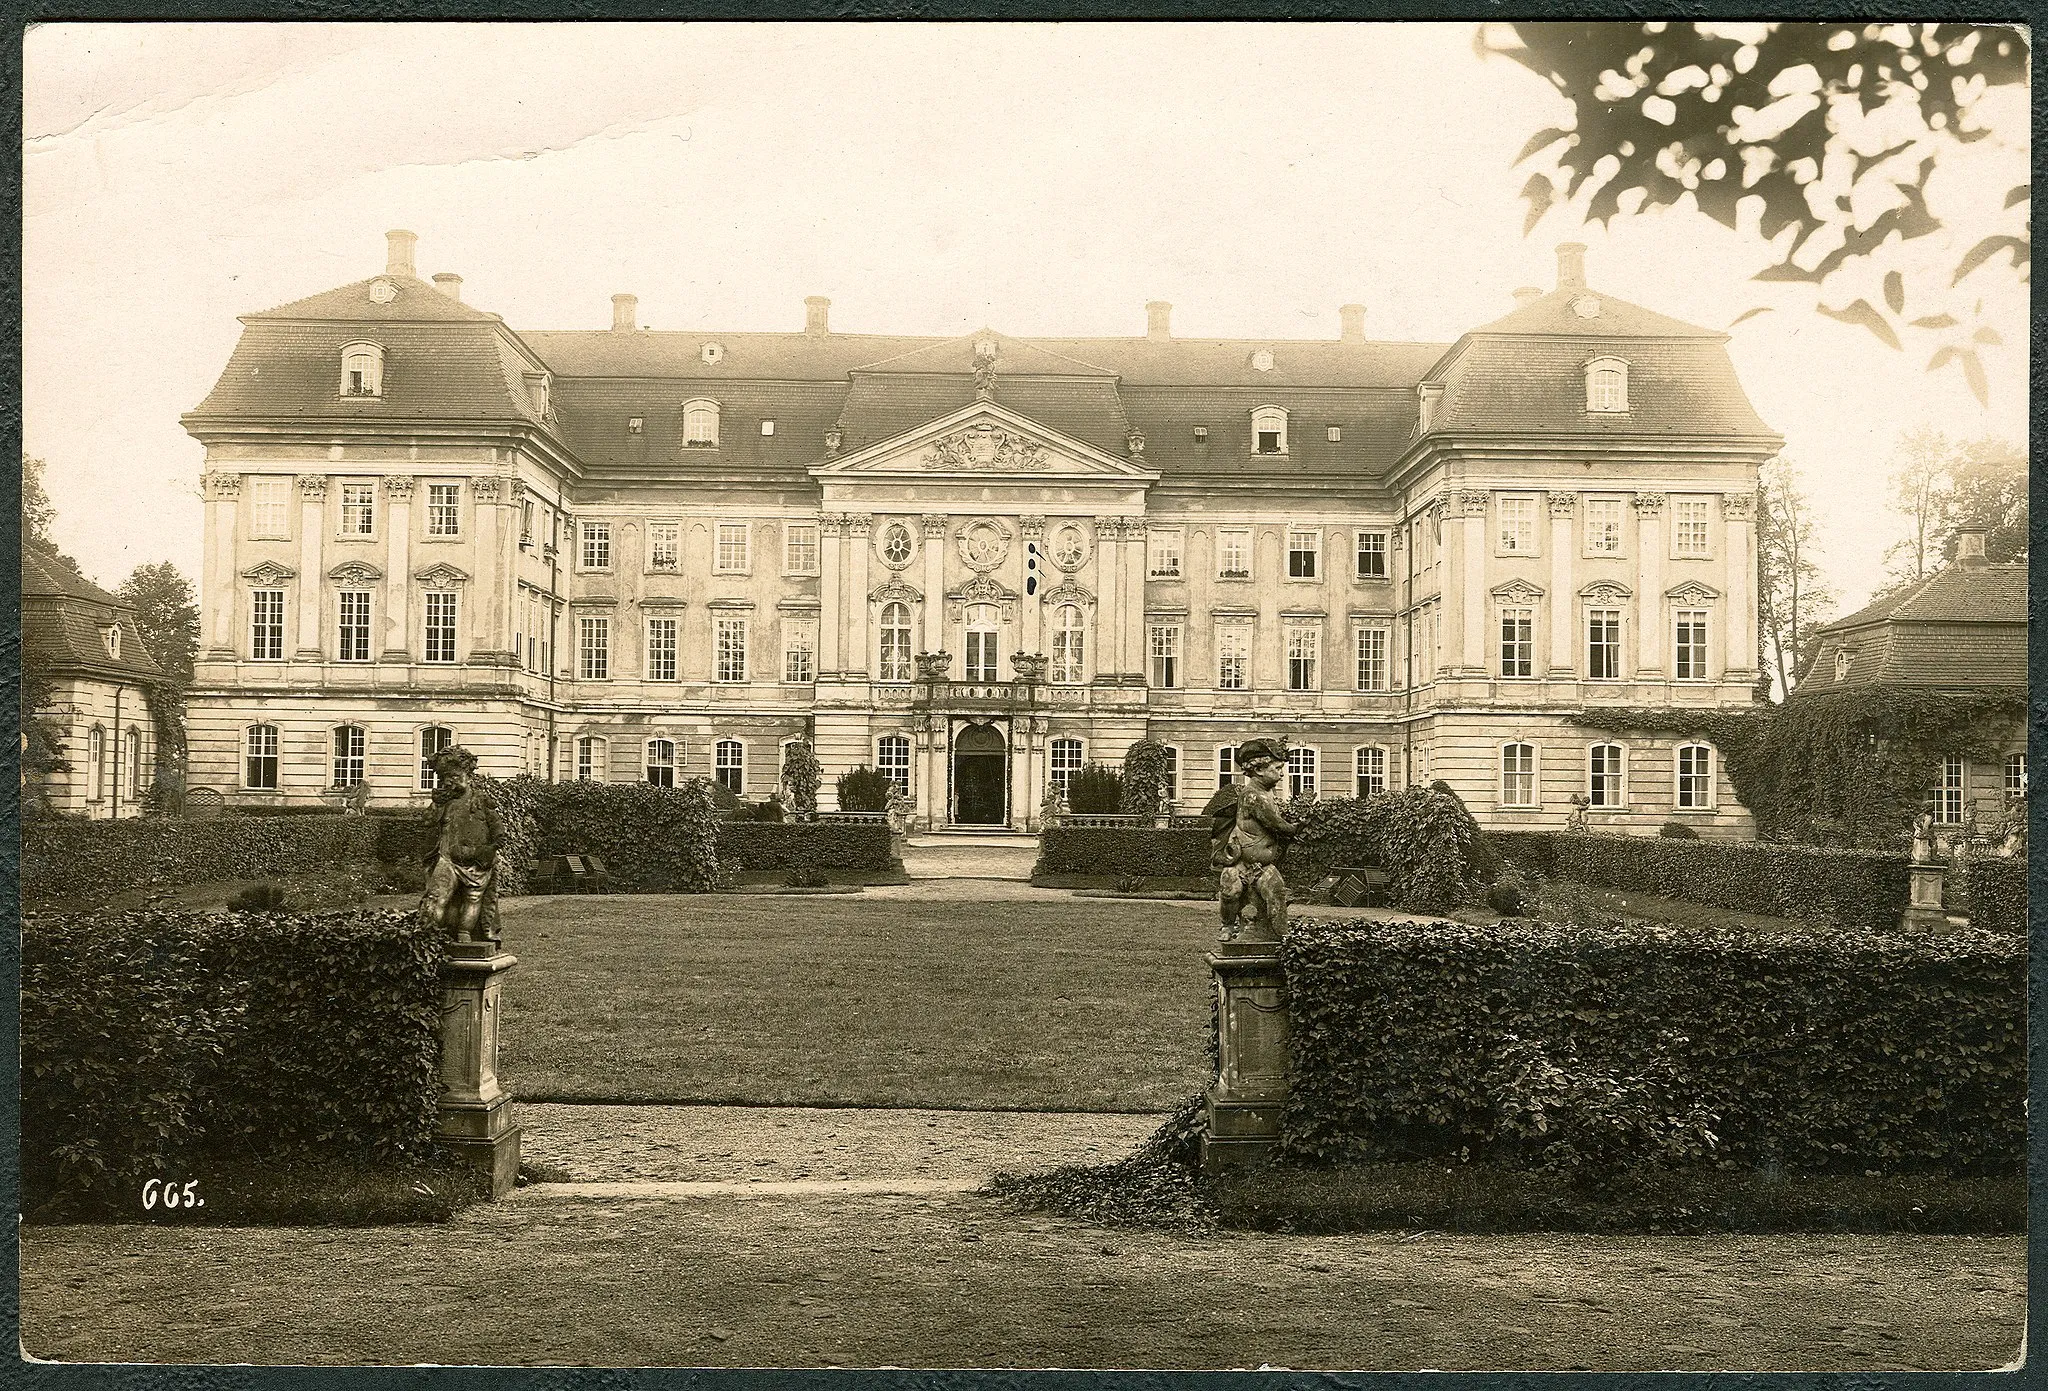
362	370
1607	385
537	385
112	635
700	424
1269	430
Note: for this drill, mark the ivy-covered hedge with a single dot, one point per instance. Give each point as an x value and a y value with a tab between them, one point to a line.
781	845
1828	888
1998	896
1599	1048
1161	852
151	1039
60	858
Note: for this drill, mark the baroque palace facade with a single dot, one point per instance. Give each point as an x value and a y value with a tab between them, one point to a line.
977	562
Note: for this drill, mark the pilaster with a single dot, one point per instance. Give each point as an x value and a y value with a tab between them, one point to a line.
1738	515
1133	572
312	531
397	569
854	607
1109	608
1649	508
832	599
223	510
1472	507
1563	584
934	541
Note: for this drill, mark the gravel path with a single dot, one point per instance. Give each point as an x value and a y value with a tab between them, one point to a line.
951	1280
763	1144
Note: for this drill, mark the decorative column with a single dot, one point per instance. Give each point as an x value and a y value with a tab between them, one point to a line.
476	1110
1472	504
312	530
223	507
397	569
831	596
1250	1088
1649	586
853	606
1109	608
934	529
1738	516
1133	571
1563	556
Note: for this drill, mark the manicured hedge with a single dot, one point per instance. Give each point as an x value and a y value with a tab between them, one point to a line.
1998	896
65	857
1829	888
1162	852
1597	1048
151	1039
779	845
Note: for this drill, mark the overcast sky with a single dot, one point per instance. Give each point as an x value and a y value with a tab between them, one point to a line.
1043	179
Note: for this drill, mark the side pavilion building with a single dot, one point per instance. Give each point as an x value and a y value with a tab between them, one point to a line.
974	562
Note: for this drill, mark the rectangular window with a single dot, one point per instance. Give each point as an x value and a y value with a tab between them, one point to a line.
358	509
269	509
1165	649
1304	552
733	556
350	763
800	548
2015	775
1066	761
1603	525
1372	555
1169	790
1372	771
1334	434
1517	642
1948	800
661	763
729	765
261	772
1689	646
1234	553
1518	775
433	739
1226	765
1695	777
1603	644
664	545
800	650
594	648
731	649
444	509
1689	526
1234	657
266	625
767	428
440	626
590	759
1603	776
355	626
1303	643
661	649
1518	525
1372	659
1301	772
596	550
1162	548
892	758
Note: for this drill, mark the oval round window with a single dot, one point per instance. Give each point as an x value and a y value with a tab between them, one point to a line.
896	543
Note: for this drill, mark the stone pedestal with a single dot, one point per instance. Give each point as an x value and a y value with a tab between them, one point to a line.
476	1110
1924	912
1244	1101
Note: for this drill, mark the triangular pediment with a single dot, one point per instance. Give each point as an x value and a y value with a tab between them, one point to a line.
982	440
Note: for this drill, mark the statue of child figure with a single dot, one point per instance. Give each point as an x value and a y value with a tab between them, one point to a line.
1248	841
462	862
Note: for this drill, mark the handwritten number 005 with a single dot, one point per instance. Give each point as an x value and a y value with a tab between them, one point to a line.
169	1195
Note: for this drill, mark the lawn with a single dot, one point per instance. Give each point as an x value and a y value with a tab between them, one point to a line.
826	1000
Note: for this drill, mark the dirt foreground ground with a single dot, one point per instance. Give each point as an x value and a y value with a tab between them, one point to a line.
748	1237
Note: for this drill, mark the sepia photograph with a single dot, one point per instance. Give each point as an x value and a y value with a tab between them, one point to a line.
1385	665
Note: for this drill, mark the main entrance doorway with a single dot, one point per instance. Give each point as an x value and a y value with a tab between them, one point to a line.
981	776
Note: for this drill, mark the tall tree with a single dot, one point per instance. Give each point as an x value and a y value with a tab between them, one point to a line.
167	617
1829	129
1944	486
1920	486
37	511
1793	599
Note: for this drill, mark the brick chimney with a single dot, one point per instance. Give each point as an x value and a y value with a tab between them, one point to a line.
1970	546
625	313
449	284
817	315
1351	323
398	254
1158	319
1571	265
1527	293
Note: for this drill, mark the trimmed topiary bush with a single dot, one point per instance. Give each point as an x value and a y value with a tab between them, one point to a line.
802	776
757	846
863	789
1677	830
1997	896
1626	1044
1095	789
1145	769
1112	851
61	857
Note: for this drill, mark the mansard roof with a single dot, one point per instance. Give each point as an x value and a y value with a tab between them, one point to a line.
64	617
1963	627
